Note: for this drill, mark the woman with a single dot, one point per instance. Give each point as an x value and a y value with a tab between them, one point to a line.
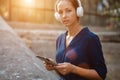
78	51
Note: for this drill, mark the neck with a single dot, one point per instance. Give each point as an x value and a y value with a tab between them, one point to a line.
73	30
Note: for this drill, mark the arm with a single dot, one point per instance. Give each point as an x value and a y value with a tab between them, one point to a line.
96	57
65	68
90	74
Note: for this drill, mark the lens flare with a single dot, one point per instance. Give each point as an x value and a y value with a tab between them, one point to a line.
29	1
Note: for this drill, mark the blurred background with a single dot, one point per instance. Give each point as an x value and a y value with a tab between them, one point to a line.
96	13
34	22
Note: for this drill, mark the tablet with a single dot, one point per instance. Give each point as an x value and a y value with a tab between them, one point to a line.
47	60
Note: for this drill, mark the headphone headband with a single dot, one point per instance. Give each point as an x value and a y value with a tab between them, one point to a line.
79	2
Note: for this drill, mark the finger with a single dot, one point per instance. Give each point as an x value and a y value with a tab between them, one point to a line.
63	72
50	59
59	67
47	63
44	62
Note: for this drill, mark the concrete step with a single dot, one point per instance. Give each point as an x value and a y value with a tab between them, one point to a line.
53	34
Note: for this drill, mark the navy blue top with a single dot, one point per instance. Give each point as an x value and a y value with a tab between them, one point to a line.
84	51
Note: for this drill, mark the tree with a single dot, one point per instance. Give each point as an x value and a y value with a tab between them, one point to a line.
112	12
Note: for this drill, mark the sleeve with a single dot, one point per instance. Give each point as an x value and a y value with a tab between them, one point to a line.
96	56
58	42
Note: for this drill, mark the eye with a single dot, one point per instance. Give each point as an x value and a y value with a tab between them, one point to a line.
68	10
60	12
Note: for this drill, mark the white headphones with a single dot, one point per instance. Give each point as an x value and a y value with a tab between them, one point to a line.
79	11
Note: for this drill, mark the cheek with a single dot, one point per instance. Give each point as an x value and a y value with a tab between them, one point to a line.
73	16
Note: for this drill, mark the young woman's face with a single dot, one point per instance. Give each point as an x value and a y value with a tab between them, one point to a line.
67	12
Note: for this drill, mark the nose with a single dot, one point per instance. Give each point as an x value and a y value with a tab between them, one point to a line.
64	15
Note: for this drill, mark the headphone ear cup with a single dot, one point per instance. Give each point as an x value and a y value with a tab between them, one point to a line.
80	11
57	16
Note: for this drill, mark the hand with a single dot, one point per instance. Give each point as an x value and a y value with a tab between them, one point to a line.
64	68
48	65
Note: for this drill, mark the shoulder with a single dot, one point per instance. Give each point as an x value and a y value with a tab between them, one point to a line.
87	34
60	37
92	36
93	39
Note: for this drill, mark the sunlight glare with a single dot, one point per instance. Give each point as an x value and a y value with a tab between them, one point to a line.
28	1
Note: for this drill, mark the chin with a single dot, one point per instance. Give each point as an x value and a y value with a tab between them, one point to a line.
67	24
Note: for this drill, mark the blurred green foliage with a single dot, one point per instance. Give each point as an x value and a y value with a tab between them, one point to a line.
112	13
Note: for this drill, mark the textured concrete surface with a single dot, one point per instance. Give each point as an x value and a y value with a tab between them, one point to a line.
17	61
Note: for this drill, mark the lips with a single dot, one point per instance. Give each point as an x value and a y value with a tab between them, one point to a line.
65	21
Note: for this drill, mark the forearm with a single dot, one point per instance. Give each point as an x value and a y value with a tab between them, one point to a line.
90	74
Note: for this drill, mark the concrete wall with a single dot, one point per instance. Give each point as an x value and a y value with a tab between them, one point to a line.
17	61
